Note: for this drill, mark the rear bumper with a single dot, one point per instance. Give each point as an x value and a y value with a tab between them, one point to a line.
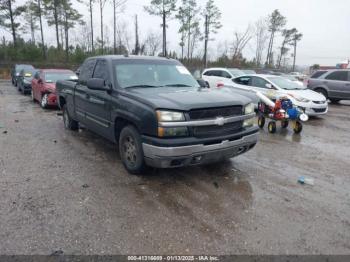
167	157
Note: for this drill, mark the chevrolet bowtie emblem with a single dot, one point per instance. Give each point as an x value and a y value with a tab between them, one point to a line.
220	121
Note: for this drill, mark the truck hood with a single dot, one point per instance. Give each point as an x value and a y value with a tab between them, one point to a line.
186	99
305	93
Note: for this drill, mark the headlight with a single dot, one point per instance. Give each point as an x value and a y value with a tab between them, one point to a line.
17	74
26	81
249	122
300	99
249	109
170	116
172	131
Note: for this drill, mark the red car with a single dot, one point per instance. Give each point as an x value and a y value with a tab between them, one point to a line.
44	85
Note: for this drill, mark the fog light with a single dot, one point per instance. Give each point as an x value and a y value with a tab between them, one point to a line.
172	131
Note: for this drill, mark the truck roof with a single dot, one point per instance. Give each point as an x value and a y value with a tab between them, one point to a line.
116	57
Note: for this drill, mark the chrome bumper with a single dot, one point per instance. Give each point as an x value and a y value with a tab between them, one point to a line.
165	157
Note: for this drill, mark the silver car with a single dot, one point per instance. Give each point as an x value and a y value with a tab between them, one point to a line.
334	84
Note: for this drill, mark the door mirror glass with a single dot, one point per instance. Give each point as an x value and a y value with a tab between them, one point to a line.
97	84
202	83
268	85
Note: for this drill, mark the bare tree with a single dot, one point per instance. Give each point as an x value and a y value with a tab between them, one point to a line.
163	8
261	36
137	49
102	5
276	23
153	43
287	38
118	6
240	41
295	39
212	16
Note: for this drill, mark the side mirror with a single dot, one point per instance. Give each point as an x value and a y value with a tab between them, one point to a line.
77	72
202	83
268	85
97	84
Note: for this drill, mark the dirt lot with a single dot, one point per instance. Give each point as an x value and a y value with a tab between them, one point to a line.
68	192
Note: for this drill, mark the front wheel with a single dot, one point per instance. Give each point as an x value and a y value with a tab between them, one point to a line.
44	101
130	149
272	127
261	121
298	127
69	123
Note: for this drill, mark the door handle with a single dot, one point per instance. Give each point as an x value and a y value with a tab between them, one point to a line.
325	82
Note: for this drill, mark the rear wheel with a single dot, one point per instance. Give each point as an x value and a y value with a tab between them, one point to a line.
334	101
298	127
272	127
130	149
69	123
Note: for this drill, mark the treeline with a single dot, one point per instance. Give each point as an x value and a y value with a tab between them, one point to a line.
76	38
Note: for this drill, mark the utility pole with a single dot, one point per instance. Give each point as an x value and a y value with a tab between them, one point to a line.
206	38
92	28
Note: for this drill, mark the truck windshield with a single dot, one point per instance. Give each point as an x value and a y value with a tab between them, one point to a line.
151	74
53	77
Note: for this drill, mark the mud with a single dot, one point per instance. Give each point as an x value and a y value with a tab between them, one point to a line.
68	191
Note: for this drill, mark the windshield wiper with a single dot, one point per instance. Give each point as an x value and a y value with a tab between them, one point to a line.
178	85
140	86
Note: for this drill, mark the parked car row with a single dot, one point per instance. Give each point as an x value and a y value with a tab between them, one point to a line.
40	83
312	102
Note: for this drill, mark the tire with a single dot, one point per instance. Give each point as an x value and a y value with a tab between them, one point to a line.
334	101
130	150
298	127
272	127
69	123
44	102
261	121
284	124
322	91
32	94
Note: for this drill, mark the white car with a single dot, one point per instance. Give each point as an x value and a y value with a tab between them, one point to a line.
275	86
214	76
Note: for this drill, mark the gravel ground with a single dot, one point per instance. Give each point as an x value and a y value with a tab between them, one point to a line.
68	192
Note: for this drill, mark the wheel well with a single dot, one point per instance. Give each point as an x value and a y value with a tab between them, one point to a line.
321	88
120	123
61	102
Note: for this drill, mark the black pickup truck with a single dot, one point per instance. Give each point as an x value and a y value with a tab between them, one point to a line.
157	112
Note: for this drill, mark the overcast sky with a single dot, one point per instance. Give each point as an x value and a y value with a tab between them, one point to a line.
325	25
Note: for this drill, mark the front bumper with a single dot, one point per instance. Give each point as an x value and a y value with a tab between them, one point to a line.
27	87
52	99
313	109
168	157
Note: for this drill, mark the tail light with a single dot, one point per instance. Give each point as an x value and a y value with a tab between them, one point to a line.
219	85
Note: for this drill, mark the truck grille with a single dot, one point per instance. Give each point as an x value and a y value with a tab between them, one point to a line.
210	113
212	131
